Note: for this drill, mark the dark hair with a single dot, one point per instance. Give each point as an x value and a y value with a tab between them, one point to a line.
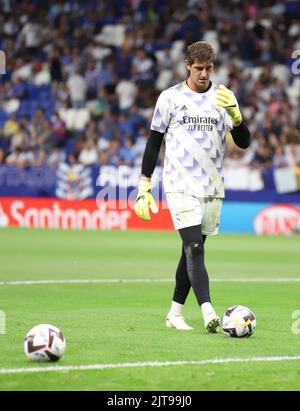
200	51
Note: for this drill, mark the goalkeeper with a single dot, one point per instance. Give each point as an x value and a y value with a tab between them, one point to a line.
193	117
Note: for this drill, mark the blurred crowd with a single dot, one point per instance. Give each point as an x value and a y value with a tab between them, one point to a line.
82	77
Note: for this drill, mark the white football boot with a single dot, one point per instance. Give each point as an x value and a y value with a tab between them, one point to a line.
175	318
177	321
210	318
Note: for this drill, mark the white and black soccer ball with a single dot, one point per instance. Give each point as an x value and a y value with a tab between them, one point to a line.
44	342
238	321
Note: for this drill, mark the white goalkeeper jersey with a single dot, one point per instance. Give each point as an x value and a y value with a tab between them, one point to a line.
195	134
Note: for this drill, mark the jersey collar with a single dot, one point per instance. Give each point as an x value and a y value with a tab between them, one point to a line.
205	93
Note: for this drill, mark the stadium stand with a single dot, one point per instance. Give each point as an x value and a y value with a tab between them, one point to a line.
82	78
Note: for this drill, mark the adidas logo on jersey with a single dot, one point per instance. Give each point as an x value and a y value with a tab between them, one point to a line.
183	108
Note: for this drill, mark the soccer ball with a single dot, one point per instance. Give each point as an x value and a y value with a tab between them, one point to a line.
44	342
238	321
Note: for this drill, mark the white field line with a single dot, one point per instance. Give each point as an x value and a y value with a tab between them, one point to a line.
148	280
146	364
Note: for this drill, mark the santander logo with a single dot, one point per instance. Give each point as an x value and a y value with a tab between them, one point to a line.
281	219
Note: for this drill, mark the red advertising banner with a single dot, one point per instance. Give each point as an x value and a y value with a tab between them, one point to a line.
84	214
278	219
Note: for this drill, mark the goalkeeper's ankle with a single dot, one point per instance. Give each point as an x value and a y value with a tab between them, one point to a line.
176	308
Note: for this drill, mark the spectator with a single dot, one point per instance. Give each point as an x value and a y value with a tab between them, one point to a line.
11	127
40	158
15	158
262	157
127	154
92	79
31	35
77	89
126	91
140	143
59	130
279	158
89	154
143	69
55	157
2	155
55	67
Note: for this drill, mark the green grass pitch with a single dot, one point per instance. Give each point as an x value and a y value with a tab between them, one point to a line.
124	322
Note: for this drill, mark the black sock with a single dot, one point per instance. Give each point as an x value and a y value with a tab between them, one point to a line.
183	283
193	244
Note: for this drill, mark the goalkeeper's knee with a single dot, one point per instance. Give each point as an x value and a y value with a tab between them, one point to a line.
194	248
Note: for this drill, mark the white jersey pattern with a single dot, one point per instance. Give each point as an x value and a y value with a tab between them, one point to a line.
195	134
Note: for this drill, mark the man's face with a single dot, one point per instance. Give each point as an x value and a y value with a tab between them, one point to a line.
199	75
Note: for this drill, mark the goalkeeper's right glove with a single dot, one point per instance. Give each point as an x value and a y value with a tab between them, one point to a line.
144	200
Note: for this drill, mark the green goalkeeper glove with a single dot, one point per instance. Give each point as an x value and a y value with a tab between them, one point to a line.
226	99
144	200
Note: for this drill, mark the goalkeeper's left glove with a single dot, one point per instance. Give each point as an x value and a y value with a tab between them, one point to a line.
144	200
226	99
